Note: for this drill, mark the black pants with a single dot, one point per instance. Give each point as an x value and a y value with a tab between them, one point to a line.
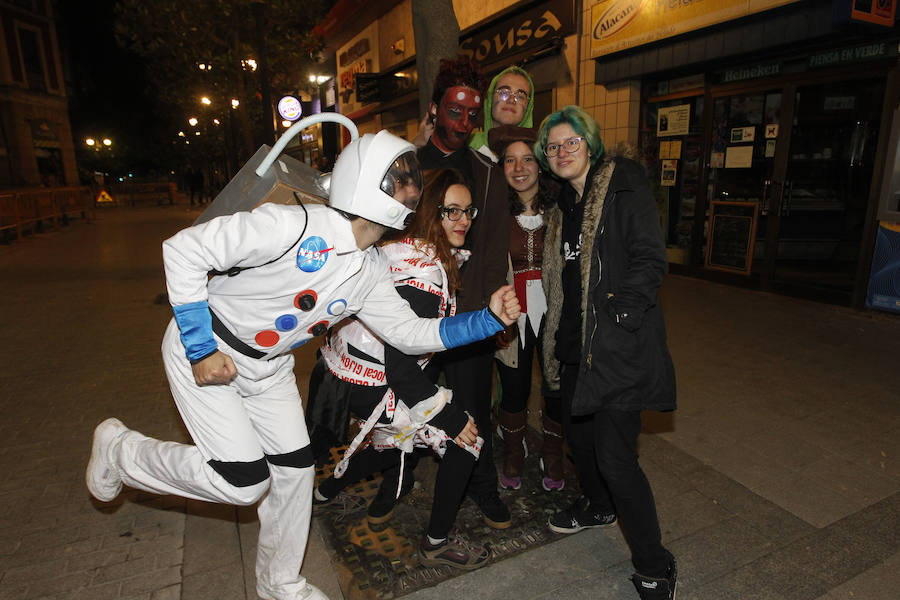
449	487
468	371
604	448
515	383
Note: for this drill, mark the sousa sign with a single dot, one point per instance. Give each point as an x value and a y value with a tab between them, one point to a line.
528	29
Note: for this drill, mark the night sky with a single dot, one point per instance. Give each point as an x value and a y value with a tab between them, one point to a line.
105	83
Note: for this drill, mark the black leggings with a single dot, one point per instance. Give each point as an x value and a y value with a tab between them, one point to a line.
515	382
449	487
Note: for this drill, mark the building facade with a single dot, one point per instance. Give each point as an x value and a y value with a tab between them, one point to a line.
767	127
36	147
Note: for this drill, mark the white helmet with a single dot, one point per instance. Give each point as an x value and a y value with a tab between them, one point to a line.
369	173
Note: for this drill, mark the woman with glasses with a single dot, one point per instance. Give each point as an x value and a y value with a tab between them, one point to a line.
508	101
395	401
605	339
530	194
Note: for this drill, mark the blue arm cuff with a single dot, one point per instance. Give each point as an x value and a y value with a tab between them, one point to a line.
195	324
469	327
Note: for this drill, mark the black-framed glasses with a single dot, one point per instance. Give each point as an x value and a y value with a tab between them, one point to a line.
506	93
455	214
570	145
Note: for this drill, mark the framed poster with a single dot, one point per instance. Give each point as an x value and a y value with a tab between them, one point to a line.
673	120
732	233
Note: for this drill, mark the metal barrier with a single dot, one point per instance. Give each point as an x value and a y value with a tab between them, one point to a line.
131	194
31	210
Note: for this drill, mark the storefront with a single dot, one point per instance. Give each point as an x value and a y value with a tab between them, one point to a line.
765	137
377	77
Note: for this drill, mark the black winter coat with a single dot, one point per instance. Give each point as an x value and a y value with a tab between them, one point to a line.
625	362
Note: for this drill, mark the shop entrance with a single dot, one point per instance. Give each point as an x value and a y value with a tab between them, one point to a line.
810	180
795	155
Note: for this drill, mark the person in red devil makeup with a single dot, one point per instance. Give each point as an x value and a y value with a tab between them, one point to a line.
455	108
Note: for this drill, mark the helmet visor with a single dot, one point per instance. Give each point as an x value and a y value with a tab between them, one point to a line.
403	180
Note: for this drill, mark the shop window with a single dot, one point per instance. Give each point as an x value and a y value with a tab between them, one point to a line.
32	59
671	149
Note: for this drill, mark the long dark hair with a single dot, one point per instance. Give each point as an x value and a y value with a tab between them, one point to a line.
544	199
547	188
426	228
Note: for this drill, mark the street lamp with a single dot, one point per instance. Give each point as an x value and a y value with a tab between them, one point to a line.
235	103
193	121
205	100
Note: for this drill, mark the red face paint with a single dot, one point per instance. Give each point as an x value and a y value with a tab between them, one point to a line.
456	117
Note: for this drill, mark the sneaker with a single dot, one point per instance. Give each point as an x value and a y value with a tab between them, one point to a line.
102	476
652	588
454	551
310	592
342	503
495	513
510	483
578	517
549	484
381	509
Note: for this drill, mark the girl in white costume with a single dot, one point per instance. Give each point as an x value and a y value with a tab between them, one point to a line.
398	402
301	269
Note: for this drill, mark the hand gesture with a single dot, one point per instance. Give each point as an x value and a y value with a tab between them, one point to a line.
426	128
468	436
505	304
215	369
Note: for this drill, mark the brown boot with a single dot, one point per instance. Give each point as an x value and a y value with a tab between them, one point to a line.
552	456
512	428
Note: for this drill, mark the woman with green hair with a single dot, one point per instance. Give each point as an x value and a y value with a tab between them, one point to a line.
605	340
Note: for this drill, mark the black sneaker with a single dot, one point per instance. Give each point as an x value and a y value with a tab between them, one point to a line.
579	516
652	588
495	513
381	509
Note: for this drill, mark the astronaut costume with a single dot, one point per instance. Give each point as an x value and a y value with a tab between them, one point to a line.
250	439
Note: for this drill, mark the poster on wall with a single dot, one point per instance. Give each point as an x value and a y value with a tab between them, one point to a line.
669	172
739	157
673	120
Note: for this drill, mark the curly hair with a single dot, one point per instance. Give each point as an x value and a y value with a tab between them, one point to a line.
426	229
462	71
581	122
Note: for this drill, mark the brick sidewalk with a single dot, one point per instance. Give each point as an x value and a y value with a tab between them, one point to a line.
82	328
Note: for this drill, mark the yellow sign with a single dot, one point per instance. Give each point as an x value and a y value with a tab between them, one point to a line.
104	197
617	25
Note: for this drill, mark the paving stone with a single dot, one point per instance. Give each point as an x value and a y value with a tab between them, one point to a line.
777	478
149	581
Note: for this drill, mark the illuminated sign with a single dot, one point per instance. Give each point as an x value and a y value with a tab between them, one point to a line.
618	25
289	108
880	12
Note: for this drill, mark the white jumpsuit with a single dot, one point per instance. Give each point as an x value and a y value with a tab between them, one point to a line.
254	426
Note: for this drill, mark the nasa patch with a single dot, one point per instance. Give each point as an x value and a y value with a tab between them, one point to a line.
312	254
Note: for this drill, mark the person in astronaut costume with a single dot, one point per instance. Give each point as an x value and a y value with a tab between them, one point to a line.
227	350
